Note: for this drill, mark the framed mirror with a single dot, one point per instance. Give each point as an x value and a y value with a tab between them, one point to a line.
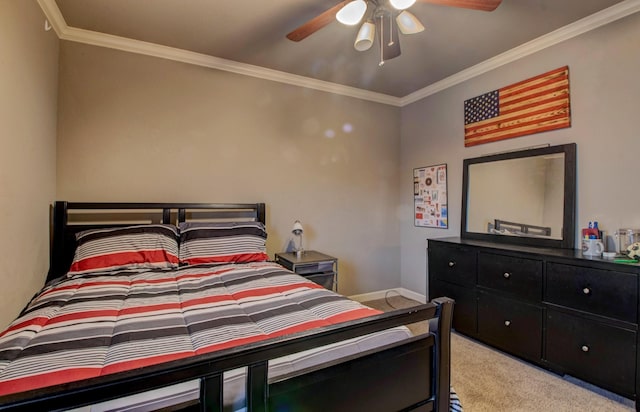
525	197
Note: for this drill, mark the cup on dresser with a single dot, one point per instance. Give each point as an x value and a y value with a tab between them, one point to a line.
592	247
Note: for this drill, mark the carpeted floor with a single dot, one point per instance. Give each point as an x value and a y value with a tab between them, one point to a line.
490	381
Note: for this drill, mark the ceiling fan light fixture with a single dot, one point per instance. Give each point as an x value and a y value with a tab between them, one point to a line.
365	37
408	23
402	4
352	13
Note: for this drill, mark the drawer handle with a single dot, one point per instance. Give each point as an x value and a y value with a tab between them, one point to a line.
507	323
585	348
452	264
586	291
506	275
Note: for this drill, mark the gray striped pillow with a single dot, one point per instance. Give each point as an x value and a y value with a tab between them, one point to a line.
131	247
228	242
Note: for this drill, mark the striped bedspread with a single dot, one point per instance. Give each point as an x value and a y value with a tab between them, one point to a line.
95	325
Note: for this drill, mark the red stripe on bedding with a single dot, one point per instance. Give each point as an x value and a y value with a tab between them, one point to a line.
38	321
139	309
140	363
102	283
85	285
176	305
153	281
84	315
301	327
47	379
122	259
275	289
150	308
343	317
203	274
237	258
209	299
230	344
353	315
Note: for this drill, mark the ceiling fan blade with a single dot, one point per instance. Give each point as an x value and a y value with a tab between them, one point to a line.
484	5
316	23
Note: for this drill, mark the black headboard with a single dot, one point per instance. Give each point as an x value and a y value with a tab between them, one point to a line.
70	218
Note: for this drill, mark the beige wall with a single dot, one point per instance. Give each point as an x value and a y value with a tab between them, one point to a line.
605	97
28	81
138	128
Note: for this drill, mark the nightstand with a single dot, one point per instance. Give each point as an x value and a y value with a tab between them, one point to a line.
315	266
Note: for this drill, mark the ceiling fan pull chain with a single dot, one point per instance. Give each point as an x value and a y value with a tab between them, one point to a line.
381	41
390	30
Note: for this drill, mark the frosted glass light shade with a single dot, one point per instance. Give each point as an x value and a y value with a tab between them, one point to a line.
402	4
365	37
408	23
352	13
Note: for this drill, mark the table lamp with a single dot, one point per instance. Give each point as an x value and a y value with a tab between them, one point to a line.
297	231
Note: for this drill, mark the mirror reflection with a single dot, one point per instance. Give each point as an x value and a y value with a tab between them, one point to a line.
517	197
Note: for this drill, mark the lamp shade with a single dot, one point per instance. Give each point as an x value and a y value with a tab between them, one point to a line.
365	37
352	13
408	23
402	4
297	228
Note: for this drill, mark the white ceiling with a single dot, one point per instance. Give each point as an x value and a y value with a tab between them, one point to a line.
248	36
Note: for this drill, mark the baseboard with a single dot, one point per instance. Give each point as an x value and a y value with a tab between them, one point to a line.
413	295
381	294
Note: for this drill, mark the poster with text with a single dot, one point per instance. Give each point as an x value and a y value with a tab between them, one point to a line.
430	196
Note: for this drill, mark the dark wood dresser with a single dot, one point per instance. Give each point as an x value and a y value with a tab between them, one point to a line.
553	307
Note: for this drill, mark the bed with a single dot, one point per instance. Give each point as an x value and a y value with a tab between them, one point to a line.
177	306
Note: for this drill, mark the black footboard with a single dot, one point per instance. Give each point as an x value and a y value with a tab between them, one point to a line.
412	375
396	378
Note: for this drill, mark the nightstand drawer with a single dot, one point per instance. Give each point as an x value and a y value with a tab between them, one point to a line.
603	292
455	264
517	276
513	326
315	267
595	351
323	279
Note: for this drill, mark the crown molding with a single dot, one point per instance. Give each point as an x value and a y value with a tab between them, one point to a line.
65	32
606	16
52	13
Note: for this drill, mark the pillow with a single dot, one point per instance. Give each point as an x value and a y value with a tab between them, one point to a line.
229	242
131	247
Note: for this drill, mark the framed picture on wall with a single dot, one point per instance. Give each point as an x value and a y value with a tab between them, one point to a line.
430	197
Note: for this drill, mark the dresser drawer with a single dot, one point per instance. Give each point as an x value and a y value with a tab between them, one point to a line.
465	312
594	351
455	264
603	292
520	277
513	326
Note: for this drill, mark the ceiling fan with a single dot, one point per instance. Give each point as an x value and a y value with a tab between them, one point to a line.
384	17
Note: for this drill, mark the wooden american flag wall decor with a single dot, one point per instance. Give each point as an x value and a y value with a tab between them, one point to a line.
535	105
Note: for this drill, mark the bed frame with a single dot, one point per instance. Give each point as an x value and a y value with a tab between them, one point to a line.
410	375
